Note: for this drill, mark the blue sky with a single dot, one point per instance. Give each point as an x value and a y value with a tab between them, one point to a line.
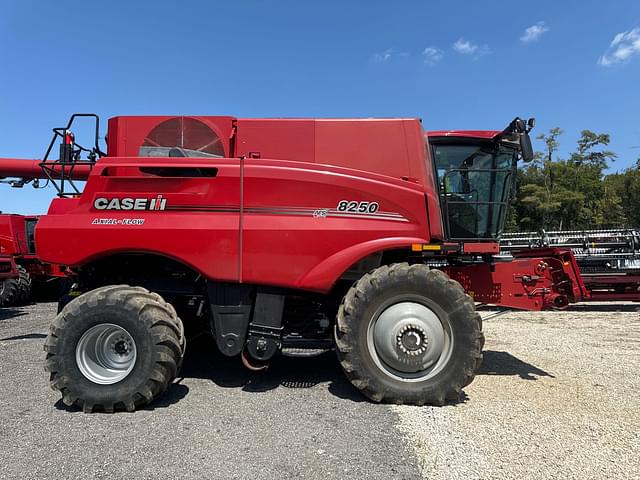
454	64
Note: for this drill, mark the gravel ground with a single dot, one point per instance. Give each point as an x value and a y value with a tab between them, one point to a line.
557	397
301	419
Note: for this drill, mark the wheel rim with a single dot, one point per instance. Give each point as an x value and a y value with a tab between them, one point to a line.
409	341
106	354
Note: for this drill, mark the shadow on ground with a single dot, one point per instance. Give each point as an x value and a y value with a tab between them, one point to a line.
578	307
604	307
202	361
26	336
174	394
9	313
503	363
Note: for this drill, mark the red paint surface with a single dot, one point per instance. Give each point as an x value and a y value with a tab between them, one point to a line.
7	268
537	279
13	240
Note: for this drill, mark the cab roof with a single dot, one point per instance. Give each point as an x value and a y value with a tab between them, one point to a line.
480	134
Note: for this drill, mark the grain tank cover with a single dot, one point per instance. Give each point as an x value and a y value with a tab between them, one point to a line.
392	147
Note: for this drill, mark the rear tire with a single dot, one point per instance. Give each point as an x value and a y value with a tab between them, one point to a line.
114	348
24	285
9	292
409	335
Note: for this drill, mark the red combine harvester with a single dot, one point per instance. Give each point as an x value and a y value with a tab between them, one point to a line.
283	235
17	241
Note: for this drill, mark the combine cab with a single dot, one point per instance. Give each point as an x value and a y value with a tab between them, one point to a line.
283	236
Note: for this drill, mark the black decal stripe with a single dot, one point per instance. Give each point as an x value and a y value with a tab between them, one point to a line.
367	216
285	211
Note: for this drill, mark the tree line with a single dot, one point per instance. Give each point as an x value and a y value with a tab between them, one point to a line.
576	192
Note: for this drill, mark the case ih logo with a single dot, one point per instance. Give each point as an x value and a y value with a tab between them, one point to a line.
158	203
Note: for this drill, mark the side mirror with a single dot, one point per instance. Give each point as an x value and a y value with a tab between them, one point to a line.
526	149
520	127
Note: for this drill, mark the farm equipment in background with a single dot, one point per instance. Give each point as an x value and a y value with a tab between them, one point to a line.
9	281
609	260
282	235
17	242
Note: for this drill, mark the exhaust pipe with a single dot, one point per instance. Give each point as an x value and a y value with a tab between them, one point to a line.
252	364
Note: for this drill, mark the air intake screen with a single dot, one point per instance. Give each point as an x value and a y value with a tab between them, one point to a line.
182	137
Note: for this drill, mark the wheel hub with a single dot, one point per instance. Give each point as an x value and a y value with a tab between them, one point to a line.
122	346
408	339
106	354
412	340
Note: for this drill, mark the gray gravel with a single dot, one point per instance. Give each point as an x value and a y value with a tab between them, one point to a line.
557	397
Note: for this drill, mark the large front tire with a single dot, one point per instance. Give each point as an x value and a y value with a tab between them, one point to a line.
409	334
114	348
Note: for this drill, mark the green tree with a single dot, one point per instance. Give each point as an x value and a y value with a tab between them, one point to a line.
624	187
555	193
537	206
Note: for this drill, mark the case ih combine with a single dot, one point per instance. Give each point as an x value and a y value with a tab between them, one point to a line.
282	234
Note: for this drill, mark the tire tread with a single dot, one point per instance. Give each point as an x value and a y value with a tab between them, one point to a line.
164	326
349	319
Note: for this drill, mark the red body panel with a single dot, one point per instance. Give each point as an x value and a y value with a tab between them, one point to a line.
189	229
534	280
270	215
13	239
371	145
15	244
289	211
613	287
7	268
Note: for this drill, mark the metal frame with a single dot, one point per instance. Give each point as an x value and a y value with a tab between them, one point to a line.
504	203
59	172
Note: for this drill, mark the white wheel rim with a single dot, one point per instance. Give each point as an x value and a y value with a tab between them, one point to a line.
409	341
106	354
